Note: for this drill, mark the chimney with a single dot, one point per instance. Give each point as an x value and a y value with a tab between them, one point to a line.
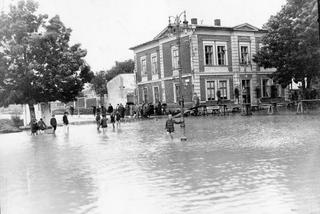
217	22
194	21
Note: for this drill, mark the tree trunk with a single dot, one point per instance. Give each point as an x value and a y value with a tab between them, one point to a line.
32	112
101	99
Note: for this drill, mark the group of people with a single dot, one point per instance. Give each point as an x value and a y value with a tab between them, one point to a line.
115	116
39	127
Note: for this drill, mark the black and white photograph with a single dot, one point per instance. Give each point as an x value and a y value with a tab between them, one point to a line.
159	107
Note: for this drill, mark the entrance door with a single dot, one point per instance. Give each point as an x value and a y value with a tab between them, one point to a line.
246	91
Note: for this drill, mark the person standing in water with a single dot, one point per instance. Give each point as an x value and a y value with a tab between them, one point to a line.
65	122
53	123
170	125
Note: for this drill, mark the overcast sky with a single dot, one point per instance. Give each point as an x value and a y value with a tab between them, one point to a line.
108	28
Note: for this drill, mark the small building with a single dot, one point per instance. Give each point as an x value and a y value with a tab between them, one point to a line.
120	88
213	58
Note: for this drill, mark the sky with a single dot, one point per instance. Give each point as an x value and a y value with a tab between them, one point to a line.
108	28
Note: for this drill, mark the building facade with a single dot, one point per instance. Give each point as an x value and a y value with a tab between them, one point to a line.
212	58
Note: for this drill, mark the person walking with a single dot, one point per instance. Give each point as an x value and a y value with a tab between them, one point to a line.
98	121
34	127
104	123
53	123
112	119
65	122
170	125
118	118
110	109
103	111
71	110
42	126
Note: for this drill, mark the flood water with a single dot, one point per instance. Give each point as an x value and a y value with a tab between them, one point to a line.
231	164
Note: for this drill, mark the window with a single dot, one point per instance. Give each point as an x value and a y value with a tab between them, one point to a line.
223	89
175	58
154	64
244	55
208	52
143	66
221	55
177	93
145	95
211	90
156	94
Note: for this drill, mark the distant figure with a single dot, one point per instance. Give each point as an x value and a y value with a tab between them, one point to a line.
53	123
94	110
196	103
110	109
104	122
118	118
98	110
65	122
34	127
103	111
170	125
121	110
71	110
41	125
98	120
112	119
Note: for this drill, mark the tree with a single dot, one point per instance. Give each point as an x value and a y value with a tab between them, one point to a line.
99	84
292	44
37	64
120	68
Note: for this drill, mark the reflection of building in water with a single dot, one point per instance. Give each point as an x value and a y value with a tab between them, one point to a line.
213	58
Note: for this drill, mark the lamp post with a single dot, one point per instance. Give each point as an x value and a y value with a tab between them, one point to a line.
176	27
246	104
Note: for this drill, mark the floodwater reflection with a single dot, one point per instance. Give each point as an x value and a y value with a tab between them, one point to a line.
260	164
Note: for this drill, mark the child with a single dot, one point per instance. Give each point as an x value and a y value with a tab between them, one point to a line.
170	125
53	123
34	127
118	118
104	122
98	120
112	119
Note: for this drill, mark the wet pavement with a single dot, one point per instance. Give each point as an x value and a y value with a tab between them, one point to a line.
260	164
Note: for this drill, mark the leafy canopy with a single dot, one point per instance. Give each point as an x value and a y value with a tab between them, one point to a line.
37	64
292	44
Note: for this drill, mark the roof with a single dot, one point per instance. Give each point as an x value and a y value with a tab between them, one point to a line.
242	27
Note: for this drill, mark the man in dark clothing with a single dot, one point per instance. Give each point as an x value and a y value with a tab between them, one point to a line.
53	123
94	110
110	109
170	125
103	111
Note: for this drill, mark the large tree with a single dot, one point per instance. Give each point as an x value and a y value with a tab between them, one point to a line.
99	85
37	64
292	44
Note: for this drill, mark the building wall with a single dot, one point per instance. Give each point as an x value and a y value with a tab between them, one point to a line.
119	87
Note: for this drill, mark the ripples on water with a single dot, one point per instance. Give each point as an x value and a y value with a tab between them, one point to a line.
261	164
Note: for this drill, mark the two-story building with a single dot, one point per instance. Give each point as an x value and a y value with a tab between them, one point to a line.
213	58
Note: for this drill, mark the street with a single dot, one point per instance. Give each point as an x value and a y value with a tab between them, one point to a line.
228	165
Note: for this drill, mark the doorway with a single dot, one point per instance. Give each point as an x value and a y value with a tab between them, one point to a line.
246	91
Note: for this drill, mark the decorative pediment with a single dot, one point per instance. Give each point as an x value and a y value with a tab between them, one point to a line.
163	33
245	27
